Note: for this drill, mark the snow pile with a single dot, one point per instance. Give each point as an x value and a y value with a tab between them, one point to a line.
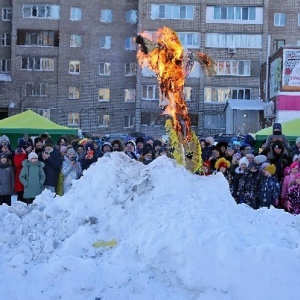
179	236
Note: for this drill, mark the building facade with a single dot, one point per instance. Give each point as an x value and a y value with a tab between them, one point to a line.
75	62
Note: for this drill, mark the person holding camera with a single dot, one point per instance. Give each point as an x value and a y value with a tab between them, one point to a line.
71	169
52	160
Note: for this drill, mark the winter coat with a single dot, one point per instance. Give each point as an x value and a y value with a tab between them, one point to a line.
295	151
269	190
288	180
238	173
293	196
6	179
32	177
248	188
52	167
86	163
272	138
18	159
70	172
281	161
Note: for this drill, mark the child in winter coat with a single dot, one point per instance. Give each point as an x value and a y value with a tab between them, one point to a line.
269	188
71	169
6	180
293	196
33	177
249	185
238	173
287	182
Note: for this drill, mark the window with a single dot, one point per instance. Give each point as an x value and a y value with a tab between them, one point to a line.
104	120
37	64
129	121
6	39
105	42
35	37
298	43
279	19
132	16
169	11
104	68
298	19
234	67
152	119
104	94
41	11
189	39
75	14
6	14
73	118
150	92
130	43
75	40
5	66
226	40
35	89
74	67
130	69
106	16
73	93
234	13
221	94
215	121
129	95
187	93
277	44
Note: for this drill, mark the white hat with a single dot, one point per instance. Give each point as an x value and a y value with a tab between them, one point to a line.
32	155
244	160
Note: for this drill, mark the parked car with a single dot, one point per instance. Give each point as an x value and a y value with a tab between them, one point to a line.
116	136
227	138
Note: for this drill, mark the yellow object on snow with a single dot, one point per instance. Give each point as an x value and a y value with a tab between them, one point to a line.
111	244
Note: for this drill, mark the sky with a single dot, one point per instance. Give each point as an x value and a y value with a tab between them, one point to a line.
173	235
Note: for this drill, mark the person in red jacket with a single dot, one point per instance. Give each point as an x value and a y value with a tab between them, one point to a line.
20	155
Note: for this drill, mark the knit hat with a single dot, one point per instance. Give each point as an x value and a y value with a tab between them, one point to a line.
236	156
277	126
131	142
264	165
2	155
210	140
244	160
48	143
32	155
294	165
278	145
271	169
260	159
104	144
63	149
298	140
148	138
253	165
296	156
70	150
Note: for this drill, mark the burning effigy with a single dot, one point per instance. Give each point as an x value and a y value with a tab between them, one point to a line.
163	53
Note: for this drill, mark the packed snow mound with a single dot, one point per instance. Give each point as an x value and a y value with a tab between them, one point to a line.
178	236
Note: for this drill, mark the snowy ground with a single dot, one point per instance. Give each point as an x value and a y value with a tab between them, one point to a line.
179	236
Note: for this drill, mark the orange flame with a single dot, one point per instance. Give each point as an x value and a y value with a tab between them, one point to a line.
164	54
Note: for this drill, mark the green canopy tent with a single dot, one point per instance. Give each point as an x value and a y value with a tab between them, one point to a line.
290	128
33	124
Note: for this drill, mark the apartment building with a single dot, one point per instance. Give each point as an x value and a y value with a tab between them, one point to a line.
75	62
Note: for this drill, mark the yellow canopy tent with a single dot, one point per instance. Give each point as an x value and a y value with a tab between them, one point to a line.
291	129
33	124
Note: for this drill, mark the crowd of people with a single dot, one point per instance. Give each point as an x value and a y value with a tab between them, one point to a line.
41	163
269	176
